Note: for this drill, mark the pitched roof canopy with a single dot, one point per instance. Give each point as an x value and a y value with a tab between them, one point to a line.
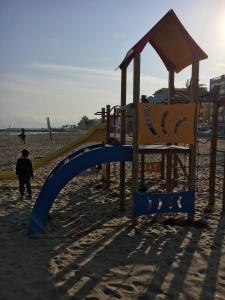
172	43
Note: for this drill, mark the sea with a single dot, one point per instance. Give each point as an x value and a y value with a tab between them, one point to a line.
6	132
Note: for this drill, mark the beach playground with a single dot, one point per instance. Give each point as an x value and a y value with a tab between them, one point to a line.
92	252
133	215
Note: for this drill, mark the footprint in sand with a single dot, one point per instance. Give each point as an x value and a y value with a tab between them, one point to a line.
91	298
110	292
86	244
126	287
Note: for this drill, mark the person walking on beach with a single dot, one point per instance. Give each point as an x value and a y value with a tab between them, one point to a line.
24	171
22	136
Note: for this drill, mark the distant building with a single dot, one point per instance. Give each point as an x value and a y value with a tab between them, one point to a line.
159	96
182	95
218	81
204	112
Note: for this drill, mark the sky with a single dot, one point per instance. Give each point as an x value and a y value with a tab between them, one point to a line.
58	57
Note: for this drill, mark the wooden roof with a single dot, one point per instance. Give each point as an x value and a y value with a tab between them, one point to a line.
171	41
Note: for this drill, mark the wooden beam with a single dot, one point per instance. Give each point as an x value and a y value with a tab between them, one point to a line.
103	114
103	121
169	165
192	156
123	103
181	165
213	148
136	98
223	200
49	128
142	181
107	173
171	86
123	135
169	157
163	159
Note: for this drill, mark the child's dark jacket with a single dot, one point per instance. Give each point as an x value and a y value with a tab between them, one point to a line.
24	168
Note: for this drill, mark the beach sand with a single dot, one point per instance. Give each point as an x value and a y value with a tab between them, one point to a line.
92	252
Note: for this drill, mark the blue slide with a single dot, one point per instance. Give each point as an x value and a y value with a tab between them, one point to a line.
66	170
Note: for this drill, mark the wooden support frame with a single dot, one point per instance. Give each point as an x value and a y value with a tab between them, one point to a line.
181	165
213	148
193	148
103	114
136	97
163	160
107	172
123	135
177	59
223	200
169	156
103	121
49	128
142	179
171	86
169	164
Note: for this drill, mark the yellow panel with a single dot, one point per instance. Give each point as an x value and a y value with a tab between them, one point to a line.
164	123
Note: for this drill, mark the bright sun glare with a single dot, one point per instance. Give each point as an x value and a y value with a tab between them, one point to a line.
222	25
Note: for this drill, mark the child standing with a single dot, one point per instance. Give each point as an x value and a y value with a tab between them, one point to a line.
22	136
24	172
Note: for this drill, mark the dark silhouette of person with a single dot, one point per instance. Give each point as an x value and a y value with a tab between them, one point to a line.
24	171
22	136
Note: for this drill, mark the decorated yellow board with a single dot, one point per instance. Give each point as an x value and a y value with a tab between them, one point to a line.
166	123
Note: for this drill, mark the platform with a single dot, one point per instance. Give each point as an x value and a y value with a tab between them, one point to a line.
163	149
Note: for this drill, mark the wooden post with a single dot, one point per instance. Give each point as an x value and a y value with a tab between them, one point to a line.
171	86
213	148
163	158
175	163
175	156
103	142
169	156
114	121
169	171
142	181
123	136
107	171
49	128
182	167
223	200
192	154
103	114
136	97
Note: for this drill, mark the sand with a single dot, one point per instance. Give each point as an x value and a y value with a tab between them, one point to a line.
92	252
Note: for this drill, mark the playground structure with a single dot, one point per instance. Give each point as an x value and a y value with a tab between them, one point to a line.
177	50
156	129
